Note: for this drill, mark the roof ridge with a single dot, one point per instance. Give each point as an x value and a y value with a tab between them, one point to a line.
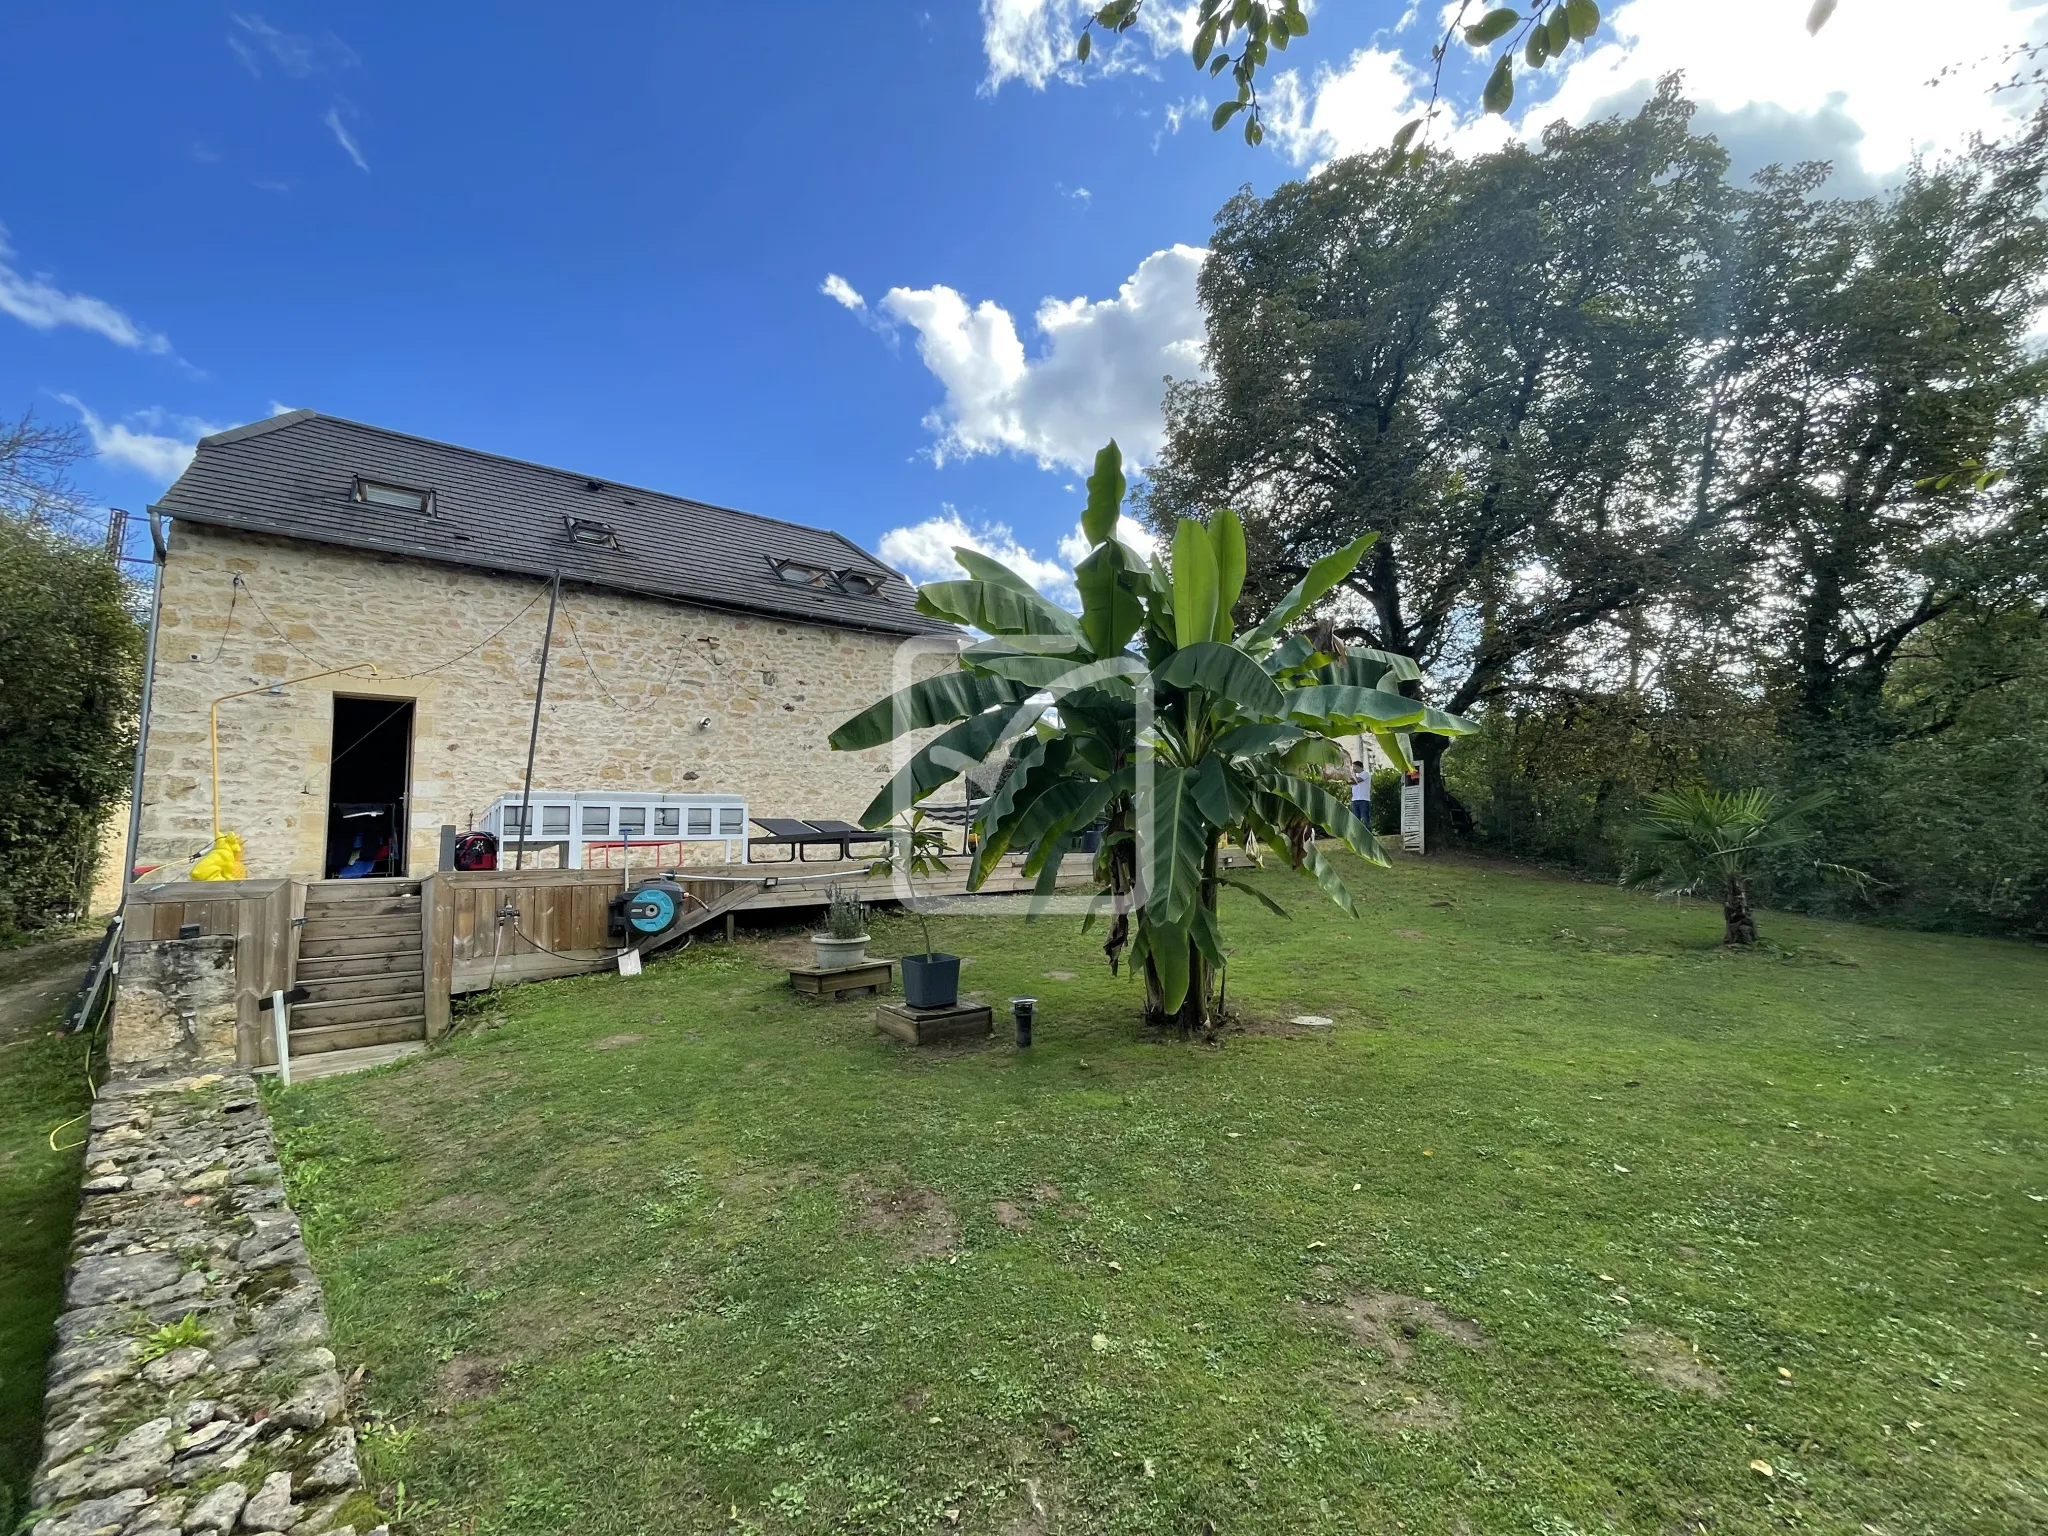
250	429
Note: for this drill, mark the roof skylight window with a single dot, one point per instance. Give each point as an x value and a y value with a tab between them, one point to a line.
591	530
402	498
854	583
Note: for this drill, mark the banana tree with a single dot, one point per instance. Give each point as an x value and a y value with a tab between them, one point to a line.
1149	716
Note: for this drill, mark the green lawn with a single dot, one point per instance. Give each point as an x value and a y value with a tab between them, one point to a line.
1570	1223
42	1082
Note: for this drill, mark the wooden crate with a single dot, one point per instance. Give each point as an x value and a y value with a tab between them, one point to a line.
935	1026
868	979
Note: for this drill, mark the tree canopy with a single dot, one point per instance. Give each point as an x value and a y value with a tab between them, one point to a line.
70	667
1637	443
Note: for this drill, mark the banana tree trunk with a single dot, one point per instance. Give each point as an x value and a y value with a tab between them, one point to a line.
1197	1011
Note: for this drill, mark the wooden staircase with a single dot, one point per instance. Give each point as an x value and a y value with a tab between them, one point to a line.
360	959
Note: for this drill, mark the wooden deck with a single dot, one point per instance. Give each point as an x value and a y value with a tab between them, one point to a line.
481	929
555	925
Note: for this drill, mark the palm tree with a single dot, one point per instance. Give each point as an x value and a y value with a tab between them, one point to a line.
1698	837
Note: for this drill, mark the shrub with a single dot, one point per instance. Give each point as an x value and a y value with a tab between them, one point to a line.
845	916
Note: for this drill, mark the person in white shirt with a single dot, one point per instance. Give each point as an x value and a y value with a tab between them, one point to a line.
1361	792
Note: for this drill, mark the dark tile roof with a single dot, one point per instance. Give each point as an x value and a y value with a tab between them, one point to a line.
295	475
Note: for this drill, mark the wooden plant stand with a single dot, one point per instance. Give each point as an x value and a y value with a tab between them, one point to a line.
870	978
935	1026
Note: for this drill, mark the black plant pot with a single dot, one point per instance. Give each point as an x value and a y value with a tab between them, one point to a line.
931	981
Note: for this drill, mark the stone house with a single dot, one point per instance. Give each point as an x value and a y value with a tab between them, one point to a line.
358	616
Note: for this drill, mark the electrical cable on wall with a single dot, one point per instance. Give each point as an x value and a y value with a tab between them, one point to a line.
234	596
275	626
654	698
241	585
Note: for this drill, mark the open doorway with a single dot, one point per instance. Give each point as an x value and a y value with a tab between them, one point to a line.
367	780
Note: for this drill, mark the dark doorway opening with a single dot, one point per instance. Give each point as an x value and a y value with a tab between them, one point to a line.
367	780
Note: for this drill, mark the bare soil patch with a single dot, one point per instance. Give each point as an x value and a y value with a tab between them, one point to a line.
1410	933
466	1379
613	1042
1011	1217
790	952
1390	1323
919	1219
1669	1361
1426	1412
36	980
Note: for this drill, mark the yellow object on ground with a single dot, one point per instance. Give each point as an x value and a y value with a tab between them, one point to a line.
223	861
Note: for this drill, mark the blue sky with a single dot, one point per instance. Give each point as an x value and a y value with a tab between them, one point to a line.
602	238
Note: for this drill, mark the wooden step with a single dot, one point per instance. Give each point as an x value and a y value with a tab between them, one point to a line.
361	906
360	927
358	1059
312	967
349	1037
348	989
388	885
359	946
354	1010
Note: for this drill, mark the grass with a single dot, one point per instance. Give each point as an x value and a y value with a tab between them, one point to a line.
681	1253
42	1082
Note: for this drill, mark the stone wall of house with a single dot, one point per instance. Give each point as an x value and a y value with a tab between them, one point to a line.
642	695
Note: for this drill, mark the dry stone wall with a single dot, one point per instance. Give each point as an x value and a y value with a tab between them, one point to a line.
192	1389
643	695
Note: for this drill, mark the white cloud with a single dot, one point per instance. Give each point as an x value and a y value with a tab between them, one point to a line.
924	551
848	297
841	292
1862	93
255	39
145	447
1868	70
341	137
1178	112
1100	374
1033	40
41	305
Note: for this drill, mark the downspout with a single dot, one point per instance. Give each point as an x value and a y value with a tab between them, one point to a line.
158	550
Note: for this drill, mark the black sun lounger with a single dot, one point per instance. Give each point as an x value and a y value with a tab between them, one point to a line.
796	836
849	834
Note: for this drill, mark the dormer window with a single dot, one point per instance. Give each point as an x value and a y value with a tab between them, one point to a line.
854	583
400	498
592	530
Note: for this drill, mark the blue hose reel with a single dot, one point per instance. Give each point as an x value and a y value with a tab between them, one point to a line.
646	912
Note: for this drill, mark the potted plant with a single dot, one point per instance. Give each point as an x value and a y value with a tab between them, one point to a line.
845	939
930	980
